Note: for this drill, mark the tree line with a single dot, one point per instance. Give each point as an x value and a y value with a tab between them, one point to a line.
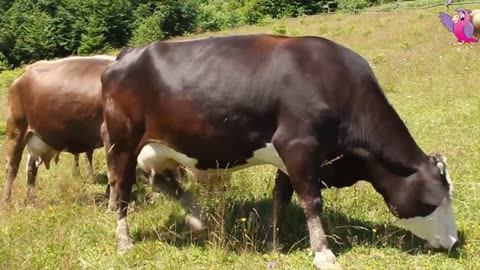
31	30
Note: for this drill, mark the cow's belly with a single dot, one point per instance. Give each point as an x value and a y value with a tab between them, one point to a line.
156	157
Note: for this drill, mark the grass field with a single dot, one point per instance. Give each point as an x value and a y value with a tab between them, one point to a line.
433	86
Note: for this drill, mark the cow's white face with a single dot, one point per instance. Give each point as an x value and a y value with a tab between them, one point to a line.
438	228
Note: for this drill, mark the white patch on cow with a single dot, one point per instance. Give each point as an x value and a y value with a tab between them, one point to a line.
438	228
450	186
441	167
325	259
194	222
158	157
40	151
123	241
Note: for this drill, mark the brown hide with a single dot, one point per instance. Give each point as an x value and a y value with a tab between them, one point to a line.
60	102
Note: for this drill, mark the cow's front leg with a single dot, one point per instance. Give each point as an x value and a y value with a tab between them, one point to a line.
301	157
167	183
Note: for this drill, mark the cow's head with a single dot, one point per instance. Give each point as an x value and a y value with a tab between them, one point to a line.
423	204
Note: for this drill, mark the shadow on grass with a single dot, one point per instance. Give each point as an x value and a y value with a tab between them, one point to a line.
244	226
101	178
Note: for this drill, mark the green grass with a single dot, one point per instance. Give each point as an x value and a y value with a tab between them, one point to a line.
433	86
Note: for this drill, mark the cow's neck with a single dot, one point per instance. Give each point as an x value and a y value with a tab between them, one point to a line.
380	131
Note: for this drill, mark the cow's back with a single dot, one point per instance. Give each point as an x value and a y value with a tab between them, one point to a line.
233	90
61	101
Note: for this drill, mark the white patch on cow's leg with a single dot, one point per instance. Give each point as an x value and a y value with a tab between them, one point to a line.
324	257
438	228
123	240
194	209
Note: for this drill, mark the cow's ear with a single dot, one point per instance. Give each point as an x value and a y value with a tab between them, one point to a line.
441	167
434	193
439	157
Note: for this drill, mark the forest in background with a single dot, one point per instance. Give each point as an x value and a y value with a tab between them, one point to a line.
32	30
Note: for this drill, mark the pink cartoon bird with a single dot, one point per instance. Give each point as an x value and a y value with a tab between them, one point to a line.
460	25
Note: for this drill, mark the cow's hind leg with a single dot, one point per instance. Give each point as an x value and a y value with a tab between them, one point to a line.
89	155
282	196
167	183
302	156
76	164
110	190
16	129
32	169
122	179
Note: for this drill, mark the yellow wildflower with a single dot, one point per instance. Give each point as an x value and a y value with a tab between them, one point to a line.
374	230
50	208
243	219
5	230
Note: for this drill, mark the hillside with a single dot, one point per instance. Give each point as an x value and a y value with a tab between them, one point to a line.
434	88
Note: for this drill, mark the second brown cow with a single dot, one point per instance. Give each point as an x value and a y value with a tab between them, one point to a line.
54	106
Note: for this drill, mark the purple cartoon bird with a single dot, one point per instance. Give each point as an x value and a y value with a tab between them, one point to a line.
460	25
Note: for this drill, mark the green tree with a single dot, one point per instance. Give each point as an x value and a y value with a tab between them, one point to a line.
148	31
93	40
177	17
118	18
4	65
32	38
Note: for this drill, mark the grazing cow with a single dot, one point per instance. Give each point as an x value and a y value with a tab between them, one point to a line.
54	106
292	102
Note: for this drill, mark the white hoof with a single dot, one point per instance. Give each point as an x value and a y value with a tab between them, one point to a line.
123	245
195	223
325	260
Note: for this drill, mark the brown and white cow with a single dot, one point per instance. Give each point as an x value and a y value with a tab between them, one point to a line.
292	102
54	106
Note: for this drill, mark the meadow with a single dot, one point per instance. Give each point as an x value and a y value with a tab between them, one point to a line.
432	85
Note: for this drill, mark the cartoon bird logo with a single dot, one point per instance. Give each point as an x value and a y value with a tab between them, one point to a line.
460	25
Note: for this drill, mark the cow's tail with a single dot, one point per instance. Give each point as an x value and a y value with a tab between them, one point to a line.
16	130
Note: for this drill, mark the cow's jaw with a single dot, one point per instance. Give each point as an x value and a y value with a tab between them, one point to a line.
438	228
